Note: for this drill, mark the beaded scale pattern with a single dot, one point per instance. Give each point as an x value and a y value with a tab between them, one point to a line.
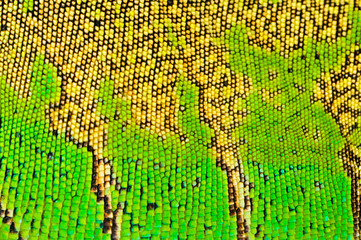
189	119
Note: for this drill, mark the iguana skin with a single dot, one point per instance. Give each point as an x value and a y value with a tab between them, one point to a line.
180	119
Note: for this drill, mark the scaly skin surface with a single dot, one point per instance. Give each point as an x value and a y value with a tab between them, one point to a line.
183	119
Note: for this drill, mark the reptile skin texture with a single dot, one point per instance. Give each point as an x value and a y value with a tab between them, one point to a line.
180	119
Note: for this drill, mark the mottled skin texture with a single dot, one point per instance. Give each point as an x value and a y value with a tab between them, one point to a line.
161	62
339	91
105	49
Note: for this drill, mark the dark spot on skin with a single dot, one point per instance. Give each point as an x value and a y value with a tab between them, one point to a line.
12	228
56	134
266	178
151	206
258	230
97	23
207	228
7	173
50	156
6	219
32	223
125	207
141	191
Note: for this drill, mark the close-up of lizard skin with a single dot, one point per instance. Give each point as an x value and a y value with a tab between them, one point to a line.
180	119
